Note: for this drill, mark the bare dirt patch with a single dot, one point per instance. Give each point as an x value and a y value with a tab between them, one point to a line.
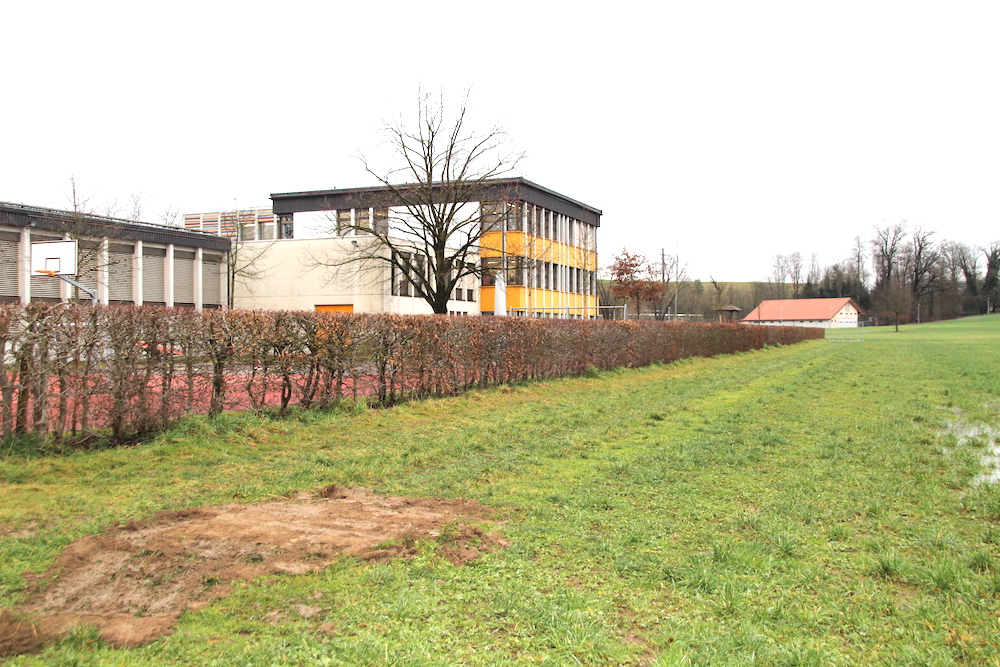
134	580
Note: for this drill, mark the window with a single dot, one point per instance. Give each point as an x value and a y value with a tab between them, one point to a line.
469	295
343	223
491	216
382	221
490	266
419	268
287	226
515	221
400	277
515	270
362	221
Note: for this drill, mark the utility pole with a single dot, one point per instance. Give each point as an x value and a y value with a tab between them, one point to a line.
677	277
663	281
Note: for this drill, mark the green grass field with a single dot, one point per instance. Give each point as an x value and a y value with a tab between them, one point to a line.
809	505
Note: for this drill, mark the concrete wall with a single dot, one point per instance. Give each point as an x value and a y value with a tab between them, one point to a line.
293	279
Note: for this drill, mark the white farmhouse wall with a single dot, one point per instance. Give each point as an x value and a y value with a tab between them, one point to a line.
846	317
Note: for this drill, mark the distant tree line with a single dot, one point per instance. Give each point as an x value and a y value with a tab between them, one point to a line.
901	274
912	276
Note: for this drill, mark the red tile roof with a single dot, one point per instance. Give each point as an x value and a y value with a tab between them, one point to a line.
798	309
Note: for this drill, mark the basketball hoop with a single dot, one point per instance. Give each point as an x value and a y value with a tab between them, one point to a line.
55	273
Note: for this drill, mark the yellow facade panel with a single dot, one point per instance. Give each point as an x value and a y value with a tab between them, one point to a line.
523	300
540	249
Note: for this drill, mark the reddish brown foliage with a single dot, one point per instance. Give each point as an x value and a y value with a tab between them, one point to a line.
122	372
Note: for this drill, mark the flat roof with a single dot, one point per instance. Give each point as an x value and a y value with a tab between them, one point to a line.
99	226
494	189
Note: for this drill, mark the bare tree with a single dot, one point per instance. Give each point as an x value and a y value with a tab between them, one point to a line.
886	248
968	261
922	255
949	300
919	266
90	260
606	295
723	292
895	300
432	234
815	271
170	217
779	274
794	263
991	281
671	275
857	261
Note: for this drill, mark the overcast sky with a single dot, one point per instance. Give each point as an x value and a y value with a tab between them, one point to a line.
727	131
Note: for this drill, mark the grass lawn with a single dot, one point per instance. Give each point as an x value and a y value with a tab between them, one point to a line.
810	505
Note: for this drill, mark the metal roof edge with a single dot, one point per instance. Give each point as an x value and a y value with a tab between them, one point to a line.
518	180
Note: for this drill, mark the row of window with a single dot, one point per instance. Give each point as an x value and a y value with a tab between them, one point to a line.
542	275
362	221
538	222
402	282
252	224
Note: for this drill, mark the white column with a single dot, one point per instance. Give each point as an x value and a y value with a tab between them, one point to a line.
103	273
197	282
500	294
24	266
137	274
224	281
168	276
67	291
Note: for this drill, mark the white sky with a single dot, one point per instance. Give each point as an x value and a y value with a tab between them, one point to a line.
731	131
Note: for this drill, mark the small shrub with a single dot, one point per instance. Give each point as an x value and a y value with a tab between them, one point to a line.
944	576
787	545
838	533
729	600
888	565
980	561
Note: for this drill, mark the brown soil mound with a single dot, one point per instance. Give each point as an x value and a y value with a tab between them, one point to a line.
133	581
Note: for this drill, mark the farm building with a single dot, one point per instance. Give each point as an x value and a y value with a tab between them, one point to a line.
125	261
830	313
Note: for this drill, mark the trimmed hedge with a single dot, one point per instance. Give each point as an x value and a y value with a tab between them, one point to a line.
122	372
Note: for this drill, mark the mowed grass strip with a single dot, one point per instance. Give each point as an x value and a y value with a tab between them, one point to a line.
813	504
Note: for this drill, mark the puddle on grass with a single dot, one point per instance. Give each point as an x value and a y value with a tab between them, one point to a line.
966	432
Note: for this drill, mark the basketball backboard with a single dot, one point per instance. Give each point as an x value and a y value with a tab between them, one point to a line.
57	257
